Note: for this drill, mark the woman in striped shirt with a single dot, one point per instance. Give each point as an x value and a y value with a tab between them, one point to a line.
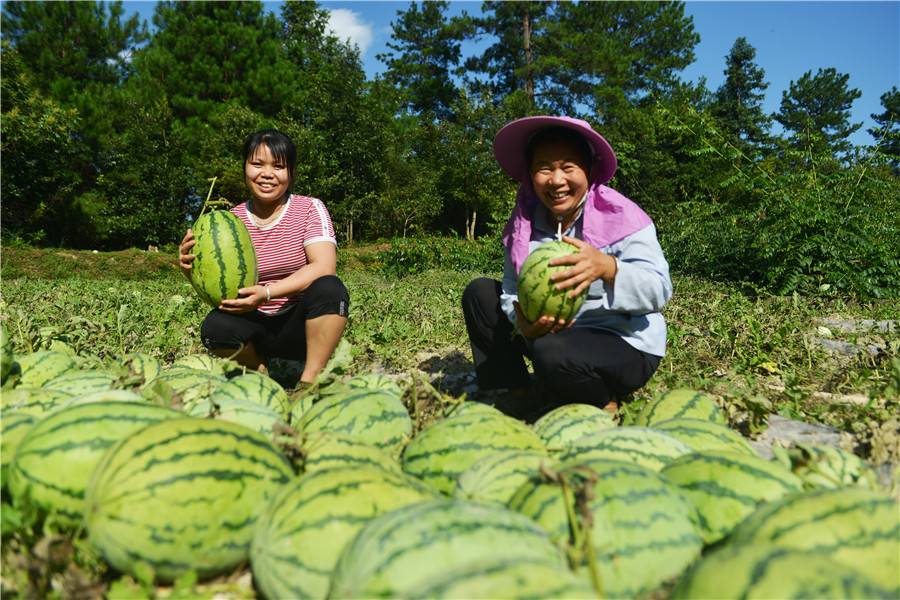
299	308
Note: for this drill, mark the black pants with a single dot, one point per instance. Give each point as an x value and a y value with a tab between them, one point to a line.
587	366
283	335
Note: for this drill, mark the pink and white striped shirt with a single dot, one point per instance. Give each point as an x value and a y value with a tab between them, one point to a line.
281	245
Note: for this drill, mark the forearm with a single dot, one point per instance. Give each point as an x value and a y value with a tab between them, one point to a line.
300	279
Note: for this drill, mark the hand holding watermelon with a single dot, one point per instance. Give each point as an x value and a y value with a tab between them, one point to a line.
249	299
542	326
588	265
185	258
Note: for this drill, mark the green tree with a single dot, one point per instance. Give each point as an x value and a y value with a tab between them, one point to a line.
509	63
815	110
887	134
41	156
738	102
425	51
68	46
205	53
613	54
476	192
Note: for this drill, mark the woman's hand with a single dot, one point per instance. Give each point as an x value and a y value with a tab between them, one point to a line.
248	300
588	265
185	258
544	324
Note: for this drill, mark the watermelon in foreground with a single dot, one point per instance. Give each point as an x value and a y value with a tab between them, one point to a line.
764	572
183	495
537	294
224	258
55	460
305	528
399	553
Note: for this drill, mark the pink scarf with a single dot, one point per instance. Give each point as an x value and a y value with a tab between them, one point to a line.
608	217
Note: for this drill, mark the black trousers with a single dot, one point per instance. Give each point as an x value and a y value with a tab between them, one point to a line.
587	366
283	335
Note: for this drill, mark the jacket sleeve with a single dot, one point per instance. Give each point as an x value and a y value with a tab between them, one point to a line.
510	288
642	284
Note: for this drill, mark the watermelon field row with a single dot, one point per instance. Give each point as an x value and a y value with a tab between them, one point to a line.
135	465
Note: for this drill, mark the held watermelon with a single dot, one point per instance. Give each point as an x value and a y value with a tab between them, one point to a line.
537	295
224	258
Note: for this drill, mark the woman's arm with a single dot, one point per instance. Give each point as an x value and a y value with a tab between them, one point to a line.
321	259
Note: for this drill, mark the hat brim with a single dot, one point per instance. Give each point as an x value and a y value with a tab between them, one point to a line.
511	140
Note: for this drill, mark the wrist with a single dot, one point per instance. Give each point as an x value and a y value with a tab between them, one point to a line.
268	291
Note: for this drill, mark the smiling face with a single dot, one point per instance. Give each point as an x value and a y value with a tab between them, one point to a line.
559	174
267	177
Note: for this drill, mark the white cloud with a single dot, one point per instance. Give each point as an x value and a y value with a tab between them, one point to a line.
346	26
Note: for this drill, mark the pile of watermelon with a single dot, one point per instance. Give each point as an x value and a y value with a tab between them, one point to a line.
197	466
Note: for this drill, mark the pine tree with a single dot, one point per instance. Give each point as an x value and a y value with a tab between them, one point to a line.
815	110
509	63
425	53
738	102
887	135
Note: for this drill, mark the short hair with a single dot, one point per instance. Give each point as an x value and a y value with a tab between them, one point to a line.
279	144
559	134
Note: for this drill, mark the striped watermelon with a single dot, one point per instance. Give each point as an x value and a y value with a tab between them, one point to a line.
106	396
680	403
643	530
299	402
470	407
538	296
702	435
34	401
440	453
251	415
55	460
725	487
224	257
376	417
508	578
204	362
143	365
399	553
255	387
852	526
38	368
640	445
301	534
565	424
7	357
80	382
764	572
14	427
496	477
822	466
190	385
363	381
327	450
183	495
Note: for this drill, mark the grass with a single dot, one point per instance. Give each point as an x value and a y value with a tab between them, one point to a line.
758	352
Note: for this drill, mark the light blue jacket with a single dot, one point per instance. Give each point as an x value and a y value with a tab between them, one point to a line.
631	306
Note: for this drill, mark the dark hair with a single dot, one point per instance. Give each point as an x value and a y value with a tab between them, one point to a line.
279	144
559	134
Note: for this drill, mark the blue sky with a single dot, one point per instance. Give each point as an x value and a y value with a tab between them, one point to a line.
860	39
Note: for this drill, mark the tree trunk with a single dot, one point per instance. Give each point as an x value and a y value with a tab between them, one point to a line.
470	225
526	38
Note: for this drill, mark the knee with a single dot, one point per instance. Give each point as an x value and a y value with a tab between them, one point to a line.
218	331
327	295
480	292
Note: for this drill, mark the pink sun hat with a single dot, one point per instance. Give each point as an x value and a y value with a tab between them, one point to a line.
511	141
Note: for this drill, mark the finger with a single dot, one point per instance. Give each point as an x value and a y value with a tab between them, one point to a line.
569	259
187	236
575	242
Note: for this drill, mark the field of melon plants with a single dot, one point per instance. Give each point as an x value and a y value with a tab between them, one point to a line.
761	460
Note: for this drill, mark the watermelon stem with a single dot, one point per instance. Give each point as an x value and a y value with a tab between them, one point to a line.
220	201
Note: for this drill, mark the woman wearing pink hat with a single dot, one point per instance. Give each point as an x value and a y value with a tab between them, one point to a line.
615	342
